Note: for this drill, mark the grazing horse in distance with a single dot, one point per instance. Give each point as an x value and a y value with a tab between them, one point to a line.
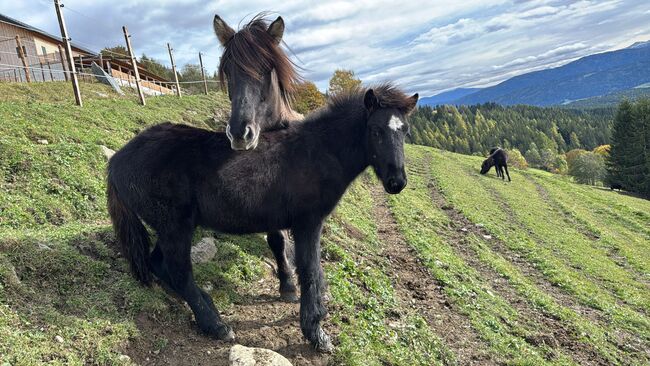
175	178
260	79
499	159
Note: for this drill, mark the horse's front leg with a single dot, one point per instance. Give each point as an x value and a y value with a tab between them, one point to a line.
278	241
312	310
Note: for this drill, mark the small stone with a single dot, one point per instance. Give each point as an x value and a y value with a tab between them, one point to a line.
464	229
207	288
480	225
43	142
204	250
124	358
488	237
245	356
43	246
108	153
59	339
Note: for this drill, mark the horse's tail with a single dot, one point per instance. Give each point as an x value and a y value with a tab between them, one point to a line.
131	234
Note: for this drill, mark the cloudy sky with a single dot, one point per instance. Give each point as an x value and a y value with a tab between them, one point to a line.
426	46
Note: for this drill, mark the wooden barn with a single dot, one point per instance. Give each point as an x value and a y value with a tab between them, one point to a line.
44	57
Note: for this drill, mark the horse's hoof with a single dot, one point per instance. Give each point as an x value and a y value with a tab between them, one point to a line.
222	333
229	337
323	344
289	297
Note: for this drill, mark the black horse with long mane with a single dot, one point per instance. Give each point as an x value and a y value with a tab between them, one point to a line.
177	177
260	80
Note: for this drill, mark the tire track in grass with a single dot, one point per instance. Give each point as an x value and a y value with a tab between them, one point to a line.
578	272
469	240
626	239
593	292
618	254
631	214
581	306
626	293
417	289
496	321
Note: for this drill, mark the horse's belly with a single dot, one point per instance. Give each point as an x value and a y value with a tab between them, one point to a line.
243	218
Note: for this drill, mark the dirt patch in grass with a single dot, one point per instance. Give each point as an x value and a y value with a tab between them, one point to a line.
258	318
416	289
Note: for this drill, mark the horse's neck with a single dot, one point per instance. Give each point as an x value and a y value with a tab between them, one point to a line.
342	136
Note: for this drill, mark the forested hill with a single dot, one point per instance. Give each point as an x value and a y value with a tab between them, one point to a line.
475	129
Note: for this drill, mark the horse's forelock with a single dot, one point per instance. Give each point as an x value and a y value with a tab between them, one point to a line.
255	52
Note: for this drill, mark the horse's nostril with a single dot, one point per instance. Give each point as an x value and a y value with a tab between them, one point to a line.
247	133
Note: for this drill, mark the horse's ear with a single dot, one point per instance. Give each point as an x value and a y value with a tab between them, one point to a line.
412	102
276	30
370	100
222	30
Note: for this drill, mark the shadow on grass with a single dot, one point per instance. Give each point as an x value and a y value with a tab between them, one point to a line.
80	290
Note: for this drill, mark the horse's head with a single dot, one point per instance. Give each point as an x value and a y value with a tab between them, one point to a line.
388	109
259	78
487	165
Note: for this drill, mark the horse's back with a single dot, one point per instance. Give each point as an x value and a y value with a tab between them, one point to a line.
160	166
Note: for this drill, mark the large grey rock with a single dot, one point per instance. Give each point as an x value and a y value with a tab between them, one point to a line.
204	250
245	356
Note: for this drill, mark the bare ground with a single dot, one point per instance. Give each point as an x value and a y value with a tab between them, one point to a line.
416	289
259	320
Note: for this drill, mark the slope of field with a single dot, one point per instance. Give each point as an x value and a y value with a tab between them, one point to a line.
457	269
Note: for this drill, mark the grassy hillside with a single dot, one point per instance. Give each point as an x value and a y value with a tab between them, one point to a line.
457	269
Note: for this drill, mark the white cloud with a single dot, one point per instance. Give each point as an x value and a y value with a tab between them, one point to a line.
426	46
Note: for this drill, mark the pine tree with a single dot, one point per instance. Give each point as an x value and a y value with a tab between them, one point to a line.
629	158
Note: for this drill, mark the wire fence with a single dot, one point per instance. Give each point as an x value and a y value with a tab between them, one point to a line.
25	57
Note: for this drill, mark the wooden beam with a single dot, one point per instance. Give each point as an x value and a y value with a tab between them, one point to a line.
127	38
205	82
171	57
68	53
21	54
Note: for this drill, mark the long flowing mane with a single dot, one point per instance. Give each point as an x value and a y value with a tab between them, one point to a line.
256	53
389	95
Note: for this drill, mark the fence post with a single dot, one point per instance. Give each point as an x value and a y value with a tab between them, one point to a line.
49	67
42	70
205	82
65	72
171	57
68	53
135	65
21	54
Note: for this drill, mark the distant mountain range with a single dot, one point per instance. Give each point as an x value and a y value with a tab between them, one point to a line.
616	74
448	97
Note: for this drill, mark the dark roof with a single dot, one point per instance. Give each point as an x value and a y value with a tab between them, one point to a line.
17	23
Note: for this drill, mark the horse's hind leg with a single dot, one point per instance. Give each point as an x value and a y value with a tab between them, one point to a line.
159	269
506	166
175	249
277	241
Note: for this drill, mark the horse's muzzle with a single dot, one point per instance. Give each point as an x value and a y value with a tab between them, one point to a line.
394	185
248	141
